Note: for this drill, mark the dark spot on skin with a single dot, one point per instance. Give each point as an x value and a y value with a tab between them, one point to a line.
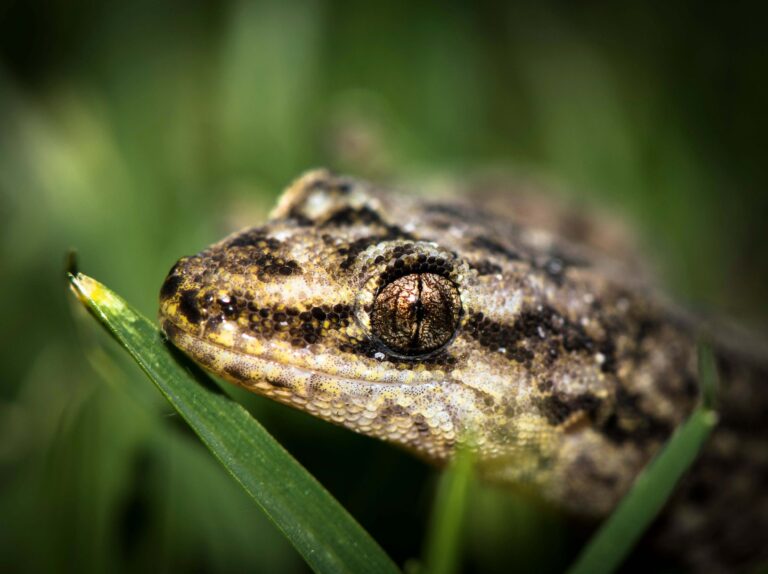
485	267
553	352
170	286
300	328
495	247
399	267
188	306
344	187
545	386
630	423
575	339
341	309
318	313
254	249
608	349
256	237
558	408
646	327
295	214
520	355
420	424
534	328
356	247
554	267
277	383
269	264
331	182
338	185
392	410
228	306
557	263
236	372
353	216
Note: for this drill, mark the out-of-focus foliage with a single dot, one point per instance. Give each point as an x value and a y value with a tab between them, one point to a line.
141	131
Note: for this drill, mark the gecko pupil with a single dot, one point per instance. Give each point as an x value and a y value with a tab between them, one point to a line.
416	314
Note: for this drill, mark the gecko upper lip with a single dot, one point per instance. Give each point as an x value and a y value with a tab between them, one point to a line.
213	355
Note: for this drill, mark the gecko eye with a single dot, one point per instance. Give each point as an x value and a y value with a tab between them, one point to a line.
416	314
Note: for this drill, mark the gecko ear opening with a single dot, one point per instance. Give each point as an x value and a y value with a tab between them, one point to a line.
317	194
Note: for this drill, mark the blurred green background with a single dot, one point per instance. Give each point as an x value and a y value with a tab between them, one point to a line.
141	131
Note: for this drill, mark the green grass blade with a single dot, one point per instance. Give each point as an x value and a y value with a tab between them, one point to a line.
708	375
616	537
444	537
328	538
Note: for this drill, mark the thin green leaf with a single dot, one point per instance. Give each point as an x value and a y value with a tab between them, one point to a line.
444	537
615	539
328	538
707	375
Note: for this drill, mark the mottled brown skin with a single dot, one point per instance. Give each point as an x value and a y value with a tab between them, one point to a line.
430	324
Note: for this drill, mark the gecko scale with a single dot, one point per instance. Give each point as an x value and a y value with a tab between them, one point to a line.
429	323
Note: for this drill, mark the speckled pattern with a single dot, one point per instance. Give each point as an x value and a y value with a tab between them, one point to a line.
557	364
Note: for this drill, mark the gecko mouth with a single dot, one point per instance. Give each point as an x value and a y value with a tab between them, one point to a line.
267	370
368	407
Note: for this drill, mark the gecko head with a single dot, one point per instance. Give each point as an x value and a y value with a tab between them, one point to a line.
335	308
370	311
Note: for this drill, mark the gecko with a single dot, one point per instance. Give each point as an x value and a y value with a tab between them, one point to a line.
435	324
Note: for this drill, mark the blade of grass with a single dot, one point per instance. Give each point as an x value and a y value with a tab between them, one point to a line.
444	537
621	531
708	379
323	532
